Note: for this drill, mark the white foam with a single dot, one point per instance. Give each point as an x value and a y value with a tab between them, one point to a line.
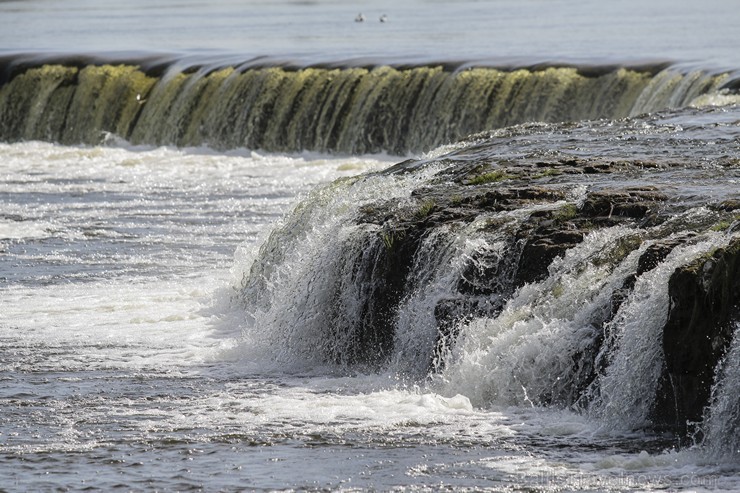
633	343
22	230
526	352
133	325
720	98
143	228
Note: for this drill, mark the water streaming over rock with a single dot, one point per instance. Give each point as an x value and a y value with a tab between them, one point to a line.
540	280
555	262
349	109
548	305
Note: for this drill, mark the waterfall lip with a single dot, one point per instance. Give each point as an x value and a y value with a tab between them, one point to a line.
156	62
348	106
152	63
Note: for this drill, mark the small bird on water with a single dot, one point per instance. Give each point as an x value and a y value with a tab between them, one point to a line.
360	18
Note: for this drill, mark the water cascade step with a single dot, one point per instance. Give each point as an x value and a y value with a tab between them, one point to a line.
352	109
544	265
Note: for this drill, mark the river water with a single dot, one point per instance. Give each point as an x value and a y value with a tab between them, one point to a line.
128	360
416	30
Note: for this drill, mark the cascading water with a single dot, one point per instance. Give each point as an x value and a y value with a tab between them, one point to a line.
550	304
343	110
314	275
537	350
633	351
511	281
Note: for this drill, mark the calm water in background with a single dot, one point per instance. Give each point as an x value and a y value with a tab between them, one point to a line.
529	30
122	358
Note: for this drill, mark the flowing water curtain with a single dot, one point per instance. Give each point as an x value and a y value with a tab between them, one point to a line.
70	105
34	104
540	348
671	88
633	352
345	110
317	276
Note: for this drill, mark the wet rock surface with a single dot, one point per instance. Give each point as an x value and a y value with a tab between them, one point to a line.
705	304
562	201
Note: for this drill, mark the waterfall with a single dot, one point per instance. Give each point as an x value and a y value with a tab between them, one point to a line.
539	349
673	89
318	281
633	351
335	288
516	281
344	110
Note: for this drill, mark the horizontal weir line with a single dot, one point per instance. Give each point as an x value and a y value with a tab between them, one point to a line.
348	109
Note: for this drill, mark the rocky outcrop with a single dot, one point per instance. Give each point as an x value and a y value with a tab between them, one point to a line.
705	294
628	202
705	304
